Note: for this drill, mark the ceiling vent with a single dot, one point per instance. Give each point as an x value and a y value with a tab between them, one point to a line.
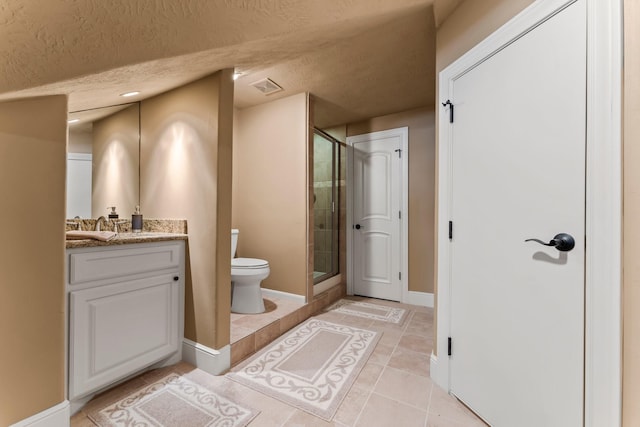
266	86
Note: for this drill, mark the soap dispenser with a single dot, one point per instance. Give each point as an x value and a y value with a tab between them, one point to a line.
113	214
136	220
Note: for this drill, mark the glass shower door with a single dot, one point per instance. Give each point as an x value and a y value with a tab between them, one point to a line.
326	160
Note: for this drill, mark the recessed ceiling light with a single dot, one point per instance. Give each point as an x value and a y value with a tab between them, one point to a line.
73	121
134	93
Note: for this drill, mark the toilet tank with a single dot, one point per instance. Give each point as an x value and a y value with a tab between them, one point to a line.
234	241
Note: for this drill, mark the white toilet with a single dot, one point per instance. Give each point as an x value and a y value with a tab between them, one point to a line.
246	275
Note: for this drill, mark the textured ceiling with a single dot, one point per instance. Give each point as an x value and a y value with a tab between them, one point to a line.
359	58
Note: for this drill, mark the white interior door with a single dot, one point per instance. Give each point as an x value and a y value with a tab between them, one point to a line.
376	204
518	172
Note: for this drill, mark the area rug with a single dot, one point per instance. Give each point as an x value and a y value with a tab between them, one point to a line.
382	313
311	368
174	401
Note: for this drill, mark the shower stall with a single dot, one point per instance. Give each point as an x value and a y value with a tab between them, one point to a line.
326	205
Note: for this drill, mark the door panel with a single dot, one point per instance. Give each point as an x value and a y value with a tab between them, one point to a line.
518	161
377	201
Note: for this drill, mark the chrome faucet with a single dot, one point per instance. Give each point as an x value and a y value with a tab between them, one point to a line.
98	223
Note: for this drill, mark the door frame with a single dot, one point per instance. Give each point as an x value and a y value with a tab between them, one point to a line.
403	133
603	210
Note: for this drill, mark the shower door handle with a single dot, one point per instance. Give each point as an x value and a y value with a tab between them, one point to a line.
358	226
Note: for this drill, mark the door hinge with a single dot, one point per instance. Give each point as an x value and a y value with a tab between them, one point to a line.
444	104
399	275
450	230
449	346
399	214
399	151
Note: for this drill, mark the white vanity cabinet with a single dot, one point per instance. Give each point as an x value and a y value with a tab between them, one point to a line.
126	309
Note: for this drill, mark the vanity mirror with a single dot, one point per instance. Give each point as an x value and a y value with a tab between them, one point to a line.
103	161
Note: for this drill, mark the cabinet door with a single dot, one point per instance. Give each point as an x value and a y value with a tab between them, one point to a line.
120	328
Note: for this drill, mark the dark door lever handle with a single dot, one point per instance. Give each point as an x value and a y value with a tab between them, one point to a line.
563	242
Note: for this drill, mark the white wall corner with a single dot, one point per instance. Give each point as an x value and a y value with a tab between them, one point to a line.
212	361
56	416
424	299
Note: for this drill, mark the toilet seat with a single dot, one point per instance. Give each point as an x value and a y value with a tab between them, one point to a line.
248	263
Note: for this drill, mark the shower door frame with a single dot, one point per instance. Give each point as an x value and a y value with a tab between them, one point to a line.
335	207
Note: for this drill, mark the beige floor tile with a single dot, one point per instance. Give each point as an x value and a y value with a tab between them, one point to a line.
416	343
303	419
420	330
404	387
81	420
239	332
236	316
369	376
423	317
410	361
381	354
439	421
357	322
388	326
332	316
448	407
390	338
156	374
352	405
384	412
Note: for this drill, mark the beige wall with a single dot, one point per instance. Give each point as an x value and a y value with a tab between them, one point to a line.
270	189
80	140
116	160
631	216
33	135
186	173
421	188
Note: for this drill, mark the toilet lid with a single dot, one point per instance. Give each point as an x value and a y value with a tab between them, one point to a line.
248	263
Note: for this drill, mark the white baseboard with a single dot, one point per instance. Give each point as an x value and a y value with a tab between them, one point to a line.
283	295
423	299
56	416
212	361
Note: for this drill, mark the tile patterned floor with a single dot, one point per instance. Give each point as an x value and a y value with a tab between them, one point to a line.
393	389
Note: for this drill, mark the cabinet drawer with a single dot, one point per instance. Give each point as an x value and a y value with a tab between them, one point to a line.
110	264
118	329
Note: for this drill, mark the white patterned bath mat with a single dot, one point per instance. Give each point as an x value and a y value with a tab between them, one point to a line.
175	401
312	367
378	312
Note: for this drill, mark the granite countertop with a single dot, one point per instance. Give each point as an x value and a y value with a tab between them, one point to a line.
154	230
127	238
